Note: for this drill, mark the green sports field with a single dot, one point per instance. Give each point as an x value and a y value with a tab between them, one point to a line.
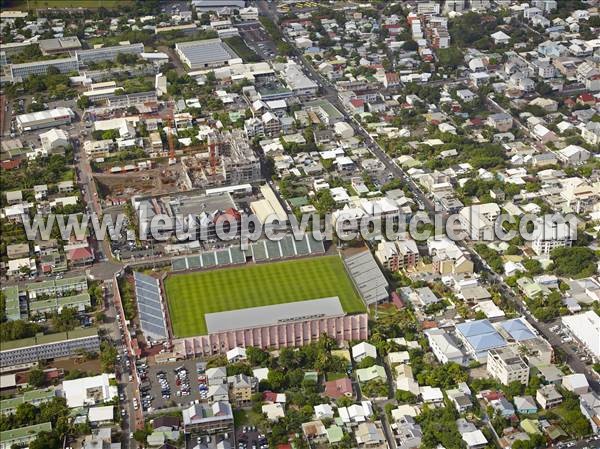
192	295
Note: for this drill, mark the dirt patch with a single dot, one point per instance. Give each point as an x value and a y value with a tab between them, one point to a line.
78	363
150	182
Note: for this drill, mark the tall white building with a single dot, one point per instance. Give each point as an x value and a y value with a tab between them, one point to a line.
551	236
506	365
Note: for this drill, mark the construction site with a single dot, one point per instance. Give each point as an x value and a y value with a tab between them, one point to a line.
224	159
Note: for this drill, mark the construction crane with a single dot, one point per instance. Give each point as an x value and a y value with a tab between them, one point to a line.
172	159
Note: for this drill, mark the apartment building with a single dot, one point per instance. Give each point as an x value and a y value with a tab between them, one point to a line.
240	164
445	348
479	220
398	255
47	347
551	236
19	72
57	287
241	388
501	122
506	365
108	53
201	419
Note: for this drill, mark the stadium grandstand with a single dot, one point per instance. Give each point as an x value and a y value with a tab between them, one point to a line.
260	251
150	306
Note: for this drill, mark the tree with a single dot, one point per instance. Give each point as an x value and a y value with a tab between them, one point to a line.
575	262
66	320
83	102
257	356
37	378
367	362
46	440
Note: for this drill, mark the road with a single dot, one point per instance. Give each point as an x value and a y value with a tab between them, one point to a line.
330	93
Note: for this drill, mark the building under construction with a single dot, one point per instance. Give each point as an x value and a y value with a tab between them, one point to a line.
227	160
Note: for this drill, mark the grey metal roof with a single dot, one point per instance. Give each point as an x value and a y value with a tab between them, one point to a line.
209	51
149	302
274	314
367	277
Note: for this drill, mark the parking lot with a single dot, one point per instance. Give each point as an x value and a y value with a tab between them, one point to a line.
258	40
164	387
248	437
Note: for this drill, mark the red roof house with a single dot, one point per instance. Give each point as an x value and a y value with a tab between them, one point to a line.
81	256
338	388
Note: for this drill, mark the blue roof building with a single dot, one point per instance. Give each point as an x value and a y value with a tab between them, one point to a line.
478	337
518	329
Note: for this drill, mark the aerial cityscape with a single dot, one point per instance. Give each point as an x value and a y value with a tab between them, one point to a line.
299	224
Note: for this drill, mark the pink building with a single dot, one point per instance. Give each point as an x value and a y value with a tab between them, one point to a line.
277	326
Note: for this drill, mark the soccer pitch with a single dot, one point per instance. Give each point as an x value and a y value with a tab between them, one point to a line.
191	295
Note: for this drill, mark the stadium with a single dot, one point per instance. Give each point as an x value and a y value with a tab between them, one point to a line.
271	295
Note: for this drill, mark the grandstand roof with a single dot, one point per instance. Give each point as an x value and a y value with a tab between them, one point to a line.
149	302
367	277
273	314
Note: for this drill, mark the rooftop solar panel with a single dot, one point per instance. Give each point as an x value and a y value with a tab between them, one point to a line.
149	303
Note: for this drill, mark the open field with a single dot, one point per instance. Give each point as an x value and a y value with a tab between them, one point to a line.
22	5
190	296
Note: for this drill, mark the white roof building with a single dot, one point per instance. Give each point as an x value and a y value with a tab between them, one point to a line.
431	394
362	350
54	138
475	438
273	411
89	390
235	354
323	411
101	414
586	328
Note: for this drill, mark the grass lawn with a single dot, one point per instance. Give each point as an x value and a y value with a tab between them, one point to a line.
335	376
192	295
42	4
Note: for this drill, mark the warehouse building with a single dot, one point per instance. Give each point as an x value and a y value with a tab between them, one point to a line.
19	72
276	326
585	327
478	338
47	347
300	84
217	5
108	53
206	53
44	119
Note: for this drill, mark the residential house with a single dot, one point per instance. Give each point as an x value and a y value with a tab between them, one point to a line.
525	405
502	122
337	388
576	383
573	155
407	433
548	396
362	350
